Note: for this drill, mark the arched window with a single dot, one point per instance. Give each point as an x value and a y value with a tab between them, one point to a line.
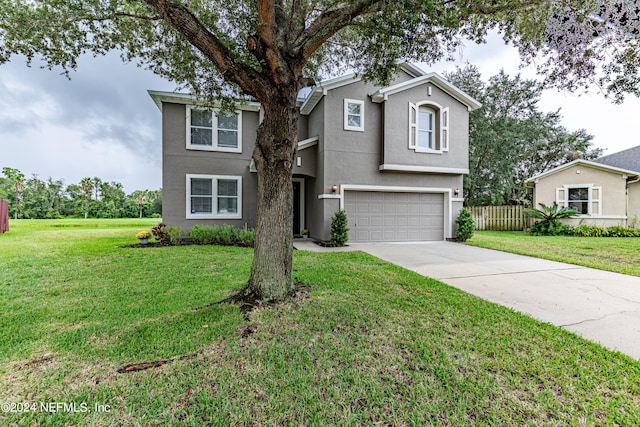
428	127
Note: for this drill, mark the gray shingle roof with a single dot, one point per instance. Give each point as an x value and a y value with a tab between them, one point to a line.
628	159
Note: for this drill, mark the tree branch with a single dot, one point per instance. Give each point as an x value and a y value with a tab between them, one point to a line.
330	22
179	17
121	15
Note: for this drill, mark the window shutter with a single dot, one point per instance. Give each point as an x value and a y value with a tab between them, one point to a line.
444	129
413	124
561	198
596	198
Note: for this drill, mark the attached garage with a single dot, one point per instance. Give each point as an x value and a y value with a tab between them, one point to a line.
382	216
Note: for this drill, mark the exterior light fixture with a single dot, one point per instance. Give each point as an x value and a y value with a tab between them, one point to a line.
334	188
456	191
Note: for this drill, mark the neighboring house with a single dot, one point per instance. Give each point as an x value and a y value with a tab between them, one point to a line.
393	157
605	191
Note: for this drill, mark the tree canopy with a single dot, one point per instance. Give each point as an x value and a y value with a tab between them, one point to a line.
510	139
212	47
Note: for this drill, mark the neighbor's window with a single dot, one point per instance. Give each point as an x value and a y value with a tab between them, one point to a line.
428	127
579	199
213	131
353	115
214	196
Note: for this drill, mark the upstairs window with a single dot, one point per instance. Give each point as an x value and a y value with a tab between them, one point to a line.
428	128
353	115
213	131
425	128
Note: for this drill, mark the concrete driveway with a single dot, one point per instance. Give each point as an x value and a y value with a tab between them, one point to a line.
600	306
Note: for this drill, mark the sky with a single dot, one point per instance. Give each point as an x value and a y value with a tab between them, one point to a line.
102	123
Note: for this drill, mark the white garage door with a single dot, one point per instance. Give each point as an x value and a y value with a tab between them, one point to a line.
377	216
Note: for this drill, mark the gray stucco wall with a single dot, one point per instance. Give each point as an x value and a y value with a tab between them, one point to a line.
178	162
396	129
353	157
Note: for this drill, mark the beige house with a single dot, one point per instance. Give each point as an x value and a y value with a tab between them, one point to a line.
604	195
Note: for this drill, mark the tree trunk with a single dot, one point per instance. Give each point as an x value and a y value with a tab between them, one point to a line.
274	154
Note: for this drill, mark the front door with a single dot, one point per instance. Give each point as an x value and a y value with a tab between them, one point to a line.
297	193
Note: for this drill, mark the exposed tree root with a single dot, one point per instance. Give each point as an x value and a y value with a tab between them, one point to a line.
135	367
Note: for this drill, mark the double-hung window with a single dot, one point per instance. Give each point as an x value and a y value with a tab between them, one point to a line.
214	130
214	196
353	115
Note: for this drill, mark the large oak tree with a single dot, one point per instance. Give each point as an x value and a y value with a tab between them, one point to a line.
270	49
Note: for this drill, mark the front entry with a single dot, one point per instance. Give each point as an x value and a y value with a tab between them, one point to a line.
298	205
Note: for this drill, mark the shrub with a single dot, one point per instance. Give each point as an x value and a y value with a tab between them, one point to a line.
222	235
466	225
246	236
584	230
203	234
160	233
227	234
176	235
549	216
339	230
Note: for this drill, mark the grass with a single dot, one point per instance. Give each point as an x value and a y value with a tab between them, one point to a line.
368	344
619	254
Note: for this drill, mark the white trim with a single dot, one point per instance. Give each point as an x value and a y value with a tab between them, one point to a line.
319	91
590	187
302	199
594	165
423	169
440	82
309	142
328	196
214	132
444	129
457	199
160	97
446	192
439	132
346	114
214	197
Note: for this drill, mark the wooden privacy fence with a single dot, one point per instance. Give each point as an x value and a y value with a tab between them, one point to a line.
500	218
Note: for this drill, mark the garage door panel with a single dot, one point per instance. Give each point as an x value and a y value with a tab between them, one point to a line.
389	216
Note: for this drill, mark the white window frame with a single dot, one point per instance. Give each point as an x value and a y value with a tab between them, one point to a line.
214	201
442	127
562	198
214	132
346	115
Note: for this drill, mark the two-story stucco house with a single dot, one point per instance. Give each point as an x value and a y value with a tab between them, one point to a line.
393	157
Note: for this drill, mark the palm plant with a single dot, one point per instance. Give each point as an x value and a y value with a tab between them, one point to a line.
549	216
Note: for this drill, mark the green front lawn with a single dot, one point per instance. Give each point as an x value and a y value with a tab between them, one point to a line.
368	343
619	254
